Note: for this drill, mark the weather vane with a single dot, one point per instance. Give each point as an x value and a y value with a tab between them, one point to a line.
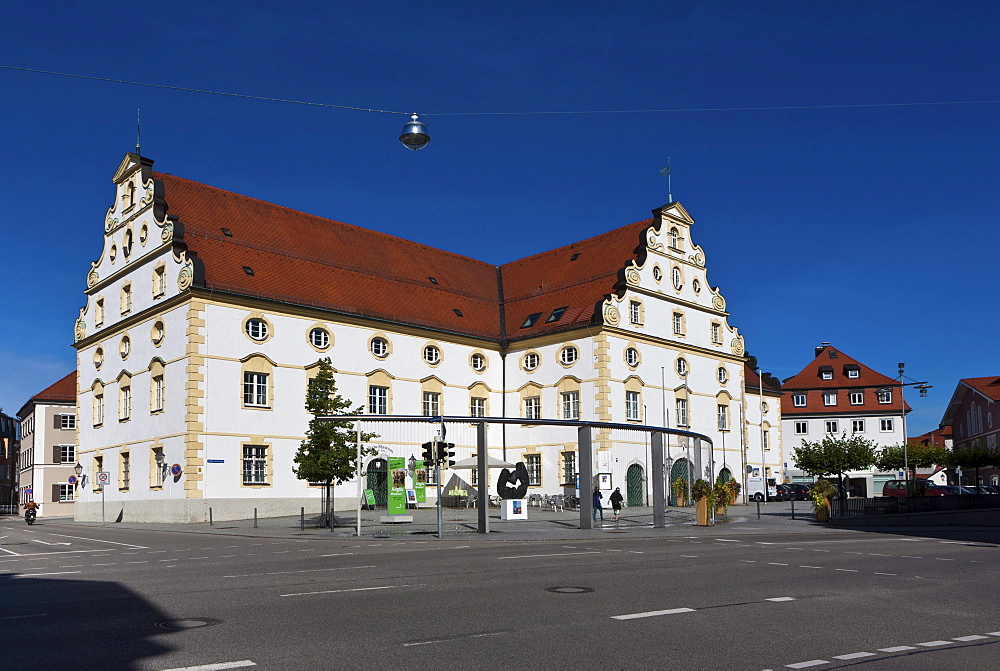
666	173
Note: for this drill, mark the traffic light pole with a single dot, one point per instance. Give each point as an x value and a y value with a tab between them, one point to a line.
437	478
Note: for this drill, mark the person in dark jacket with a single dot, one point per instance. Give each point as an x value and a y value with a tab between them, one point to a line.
616	502
597	504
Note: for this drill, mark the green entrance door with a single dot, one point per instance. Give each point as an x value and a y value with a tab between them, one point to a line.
681	470
634	491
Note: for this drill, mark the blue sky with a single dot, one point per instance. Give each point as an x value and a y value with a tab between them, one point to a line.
874	228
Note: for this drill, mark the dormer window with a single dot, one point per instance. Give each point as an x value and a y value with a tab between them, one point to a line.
556	315
852	372
826	372
530	321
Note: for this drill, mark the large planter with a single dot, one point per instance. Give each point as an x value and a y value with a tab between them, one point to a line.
720	510
701	513
732	497
823	513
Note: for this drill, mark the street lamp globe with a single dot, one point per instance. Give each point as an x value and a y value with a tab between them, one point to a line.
414	135
78	469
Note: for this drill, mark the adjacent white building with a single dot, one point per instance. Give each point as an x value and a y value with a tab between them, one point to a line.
207	312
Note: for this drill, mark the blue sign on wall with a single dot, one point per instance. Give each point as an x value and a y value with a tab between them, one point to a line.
216	461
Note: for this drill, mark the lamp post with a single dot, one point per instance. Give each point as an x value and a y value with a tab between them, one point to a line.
922	387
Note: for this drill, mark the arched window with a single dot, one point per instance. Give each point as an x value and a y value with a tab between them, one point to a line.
674	238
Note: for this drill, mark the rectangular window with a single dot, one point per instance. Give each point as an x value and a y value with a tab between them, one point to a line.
569	468
716	333
98	468
682	412
832	426
534	465
723	418
799	400
157	393
632	405
159	281
477	407
853	373
126	305
885	396
635	312
67	454
65	492
829	398
766	438
124	403
98	409
432	404
571	405
801	428
67	421
99	312
857	398
255	389
378	400
158	467
886	424
678	323
255	464
126	473
533	407
827	374
857	426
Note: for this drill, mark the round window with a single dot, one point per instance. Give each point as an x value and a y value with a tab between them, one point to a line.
432	354
257	329
632	356
682	367
657	273
569	355
478	362
319	338
127	244
125	347
143	233
696	285
379	347
114	253
98	358
530	361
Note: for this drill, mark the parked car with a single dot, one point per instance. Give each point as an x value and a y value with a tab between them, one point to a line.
920	487
981	489
958	490
798	492
784	493
755	489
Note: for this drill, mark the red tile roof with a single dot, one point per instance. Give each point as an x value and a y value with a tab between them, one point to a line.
810	381
987	386
752	380
63	391
304	259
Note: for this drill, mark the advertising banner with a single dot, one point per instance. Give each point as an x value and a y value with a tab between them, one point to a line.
420	483
397	486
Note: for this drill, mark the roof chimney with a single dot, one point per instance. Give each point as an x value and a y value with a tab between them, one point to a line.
822	346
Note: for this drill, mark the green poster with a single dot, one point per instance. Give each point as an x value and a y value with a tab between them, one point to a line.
420	484
397	486
369	497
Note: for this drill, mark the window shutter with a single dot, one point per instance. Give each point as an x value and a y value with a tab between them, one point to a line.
56	454
55	493
57	421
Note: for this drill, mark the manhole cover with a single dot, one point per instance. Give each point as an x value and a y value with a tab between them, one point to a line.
187	623
569	590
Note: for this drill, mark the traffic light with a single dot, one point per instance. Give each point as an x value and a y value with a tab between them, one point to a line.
445	454
428	454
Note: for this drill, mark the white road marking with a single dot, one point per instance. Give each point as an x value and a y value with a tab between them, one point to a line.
353	589
801	566
459	638
910	557
341	554
877	573
221	666
855	655
10	552
969	638
652	613
637	552
224	556
556	554
811	662
728	540
943	559
32	575
72	566
847	570
876	554
35	540
781	598
111	564
144	561
97	540
156	552
774	563
993	633
898	648
933	644
690	556
312	570
19	617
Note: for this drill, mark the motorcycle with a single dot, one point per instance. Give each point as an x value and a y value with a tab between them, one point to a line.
29	516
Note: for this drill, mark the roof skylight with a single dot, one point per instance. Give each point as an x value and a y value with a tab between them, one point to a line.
530	321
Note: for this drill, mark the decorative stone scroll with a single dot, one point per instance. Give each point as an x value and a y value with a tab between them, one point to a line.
611	315
168	232
652	242
737	346
81	330
92	277
186	275
633	277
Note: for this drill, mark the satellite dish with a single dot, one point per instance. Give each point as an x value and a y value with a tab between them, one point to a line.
414	135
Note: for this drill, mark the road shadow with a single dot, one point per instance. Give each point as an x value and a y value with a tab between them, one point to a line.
57	623
971	535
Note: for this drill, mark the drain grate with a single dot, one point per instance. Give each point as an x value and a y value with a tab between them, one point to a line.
188	623
569	590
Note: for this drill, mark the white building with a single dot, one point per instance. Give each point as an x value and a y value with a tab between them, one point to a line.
207	312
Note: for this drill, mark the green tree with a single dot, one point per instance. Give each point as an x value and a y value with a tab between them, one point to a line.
329	454
835	456
974	457
918	455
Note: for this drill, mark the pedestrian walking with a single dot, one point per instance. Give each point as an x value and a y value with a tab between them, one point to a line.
616	502
597	504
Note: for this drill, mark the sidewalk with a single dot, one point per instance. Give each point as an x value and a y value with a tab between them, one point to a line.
462	523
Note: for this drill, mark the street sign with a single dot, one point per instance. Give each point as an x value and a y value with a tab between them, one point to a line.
27	491
216	461
71	479
176	470
103	478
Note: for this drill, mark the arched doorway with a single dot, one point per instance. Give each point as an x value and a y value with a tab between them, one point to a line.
378	480
682	469
725	475
634	490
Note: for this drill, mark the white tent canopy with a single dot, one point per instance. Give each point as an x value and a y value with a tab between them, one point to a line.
473	462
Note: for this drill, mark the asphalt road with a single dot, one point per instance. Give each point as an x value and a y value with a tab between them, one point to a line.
88	597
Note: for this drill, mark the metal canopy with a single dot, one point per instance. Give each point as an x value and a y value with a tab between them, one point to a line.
473	462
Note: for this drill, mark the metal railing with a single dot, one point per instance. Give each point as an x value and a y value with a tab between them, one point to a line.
896	505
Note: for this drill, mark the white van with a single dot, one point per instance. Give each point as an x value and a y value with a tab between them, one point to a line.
755	489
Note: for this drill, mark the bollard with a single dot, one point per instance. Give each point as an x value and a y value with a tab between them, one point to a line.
254	518
210	523
302	519
758	510
793	509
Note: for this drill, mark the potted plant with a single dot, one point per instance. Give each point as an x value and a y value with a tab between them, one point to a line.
680	491
721	495
704	501
821	492
734	491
